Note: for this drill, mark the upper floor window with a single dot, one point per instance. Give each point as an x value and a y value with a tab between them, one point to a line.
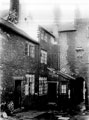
41	34
45	37
43	57
30	49
27	49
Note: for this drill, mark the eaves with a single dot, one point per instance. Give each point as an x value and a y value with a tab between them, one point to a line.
15	29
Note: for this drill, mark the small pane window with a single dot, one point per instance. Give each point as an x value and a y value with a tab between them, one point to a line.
63	89
30	85
32	50
43	57
27	49
43	86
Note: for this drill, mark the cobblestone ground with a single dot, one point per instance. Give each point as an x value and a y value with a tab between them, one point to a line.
47	115
28	115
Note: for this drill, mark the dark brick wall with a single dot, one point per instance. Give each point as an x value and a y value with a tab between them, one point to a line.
52	50
14	62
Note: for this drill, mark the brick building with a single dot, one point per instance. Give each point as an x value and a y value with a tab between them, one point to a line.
74	59
26	66
48	63
18	64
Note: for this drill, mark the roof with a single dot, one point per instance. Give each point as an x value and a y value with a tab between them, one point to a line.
63	27
67	76
47	30
69	26
20	32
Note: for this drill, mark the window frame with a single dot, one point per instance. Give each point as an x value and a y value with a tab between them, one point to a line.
43	86
30	82
63	89
43	58
30	49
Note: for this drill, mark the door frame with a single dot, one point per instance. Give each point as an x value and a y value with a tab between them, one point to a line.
53	82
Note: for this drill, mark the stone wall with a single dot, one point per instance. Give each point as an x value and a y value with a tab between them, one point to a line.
14	63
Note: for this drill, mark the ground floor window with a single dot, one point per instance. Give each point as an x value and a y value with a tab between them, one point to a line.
43	86
30	84
63	89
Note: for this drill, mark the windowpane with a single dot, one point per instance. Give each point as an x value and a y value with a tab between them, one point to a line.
27	49
31	83
43	86
45	37
63	89
43	57
32	51
42	35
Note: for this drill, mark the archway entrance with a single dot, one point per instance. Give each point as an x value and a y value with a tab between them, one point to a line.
77	88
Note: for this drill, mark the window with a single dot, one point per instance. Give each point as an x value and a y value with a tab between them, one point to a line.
42	35
63	89
30	84
43	57
43	86
30	49
27	49
45	37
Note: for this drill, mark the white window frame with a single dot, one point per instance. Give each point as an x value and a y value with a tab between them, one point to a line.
43	86
63	89
30	82
44	56
30	49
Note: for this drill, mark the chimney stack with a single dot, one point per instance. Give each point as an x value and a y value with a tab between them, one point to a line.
13	16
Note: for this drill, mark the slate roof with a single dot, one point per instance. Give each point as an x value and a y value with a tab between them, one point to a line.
69	26
64	75
15	29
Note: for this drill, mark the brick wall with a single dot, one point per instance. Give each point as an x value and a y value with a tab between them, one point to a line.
14	62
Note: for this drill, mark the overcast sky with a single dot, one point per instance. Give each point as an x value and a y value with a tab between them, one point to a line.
42	10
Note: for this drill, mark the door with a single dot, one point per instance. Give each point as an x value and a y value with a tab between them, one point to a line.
52	92
17	93
76	88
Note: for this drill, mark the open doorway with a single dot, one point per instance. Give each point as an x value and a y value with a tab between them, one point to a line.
17	94
52	92
77	94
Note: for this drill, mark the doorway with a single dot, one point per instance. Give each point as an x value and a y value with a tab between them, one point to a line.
52	92
17	93
77	91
